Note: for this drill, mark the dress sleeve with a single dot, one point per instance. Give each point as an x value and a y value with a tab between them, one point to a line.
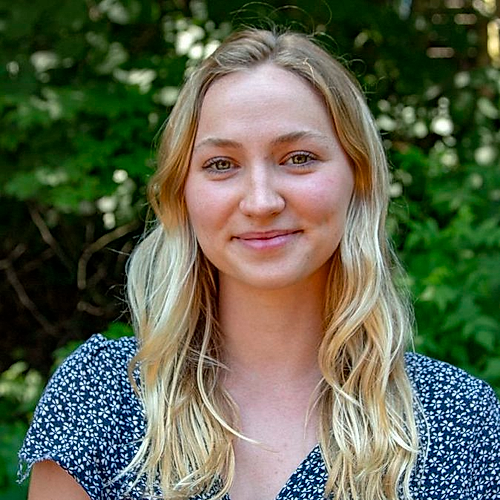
459	425
78	422
486	466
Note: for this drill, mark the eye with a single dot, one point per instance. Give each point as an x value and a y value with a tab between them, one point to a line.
219	165
299	158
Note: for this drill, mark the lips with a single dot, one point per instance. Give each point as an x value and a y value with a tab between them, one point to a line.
266	235
267	240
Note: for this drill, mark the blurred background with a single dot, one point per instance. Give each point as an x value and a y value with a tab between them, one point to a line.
85	85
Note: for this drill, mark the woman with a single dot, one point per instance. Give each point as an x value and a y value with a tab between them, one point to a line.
270	358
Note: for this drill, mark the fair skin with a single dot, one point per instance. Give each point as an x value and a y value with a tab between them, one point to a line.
49	481
267	193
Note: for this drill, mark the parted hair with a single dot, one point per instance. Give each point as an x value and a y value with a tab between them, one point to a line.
367	431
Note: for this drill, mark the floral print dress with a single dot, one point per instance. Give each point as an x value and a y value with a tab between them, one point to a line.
90	422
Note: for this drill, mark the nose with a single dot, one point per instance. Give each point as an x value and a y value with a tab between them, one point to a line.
262	196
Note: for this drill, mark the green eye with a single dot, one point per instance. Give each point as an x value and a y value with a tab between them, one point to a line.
300	158
221	165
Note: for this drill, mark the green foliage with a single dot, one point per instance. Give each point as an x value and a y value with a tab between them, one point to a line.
448	214
117	330
20	389
84	88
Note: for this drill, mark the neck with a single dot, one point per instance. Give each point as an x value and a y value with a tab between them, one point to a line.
272	334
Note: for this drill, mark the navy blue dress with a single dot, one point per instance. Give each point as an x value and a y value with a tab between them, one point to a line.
90	422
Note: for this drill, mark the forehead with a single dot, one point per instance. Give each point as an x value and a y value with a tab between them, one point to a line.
261	96
262	78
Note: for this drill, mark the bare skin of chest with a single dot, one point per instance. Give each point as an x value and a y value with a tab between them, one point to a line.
279	425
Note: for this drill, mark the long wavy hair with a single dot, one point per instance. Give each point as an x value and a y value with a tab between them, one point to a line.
367	431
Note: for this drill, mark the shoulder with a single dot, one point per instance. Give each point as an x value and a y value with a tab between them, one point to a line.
98	369
91	384
116	354
437	382
447	393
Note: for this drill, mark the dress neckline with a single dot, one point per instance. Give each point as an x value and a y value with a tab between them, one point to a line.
299	474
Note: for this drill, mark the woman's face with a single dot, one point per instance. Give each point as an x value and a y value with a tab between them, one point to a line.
269	185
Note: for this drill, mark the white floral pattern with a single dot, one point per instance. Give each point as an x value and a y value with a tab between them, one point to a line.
90	422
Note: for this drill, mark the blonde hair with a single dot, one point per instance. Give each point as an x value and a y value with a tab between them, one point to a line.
367	433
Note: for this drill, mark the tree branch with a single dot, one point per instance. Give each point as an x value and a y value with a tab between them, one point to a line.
48	238
97	245
7	266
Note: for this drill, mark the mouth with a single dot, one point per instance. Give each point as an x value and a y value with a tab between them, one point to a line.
266	235
268	241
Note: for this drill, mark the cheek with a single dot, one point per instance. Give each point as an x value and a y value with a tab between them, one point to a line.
194	206
208	199
204	211
330	204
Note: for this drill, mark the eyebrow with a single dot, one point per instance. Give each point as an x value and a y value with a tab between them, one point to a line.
282	139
